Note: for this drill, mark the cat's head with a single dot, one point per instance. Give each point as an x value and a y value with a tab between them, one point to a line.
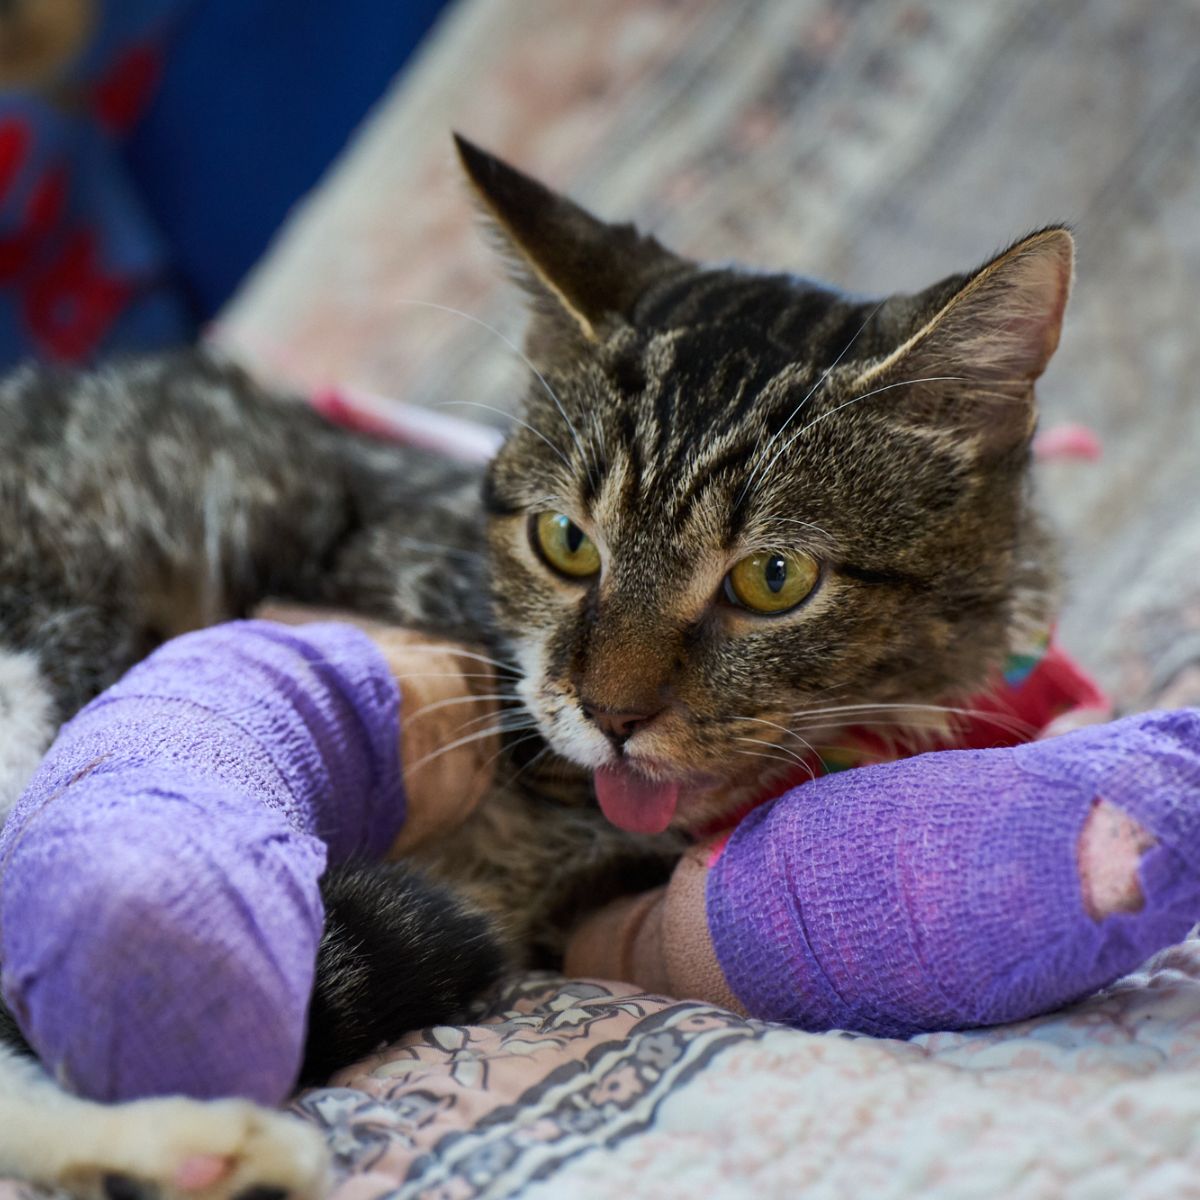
745	511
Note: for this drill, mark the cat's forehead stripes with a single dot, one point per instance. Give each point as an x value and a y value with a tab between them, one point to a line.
725	413
641	397
645	463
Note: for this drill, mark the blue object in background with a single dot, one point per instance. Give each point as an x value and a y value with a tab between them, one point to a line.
144	174
257	98
82	266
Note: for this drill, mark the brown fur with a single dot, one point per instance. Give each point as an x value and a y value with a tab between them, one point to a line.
683	417
691	415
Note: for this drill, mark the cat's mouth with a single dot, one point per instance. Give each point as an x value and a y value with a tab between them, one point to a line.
634	802
660	778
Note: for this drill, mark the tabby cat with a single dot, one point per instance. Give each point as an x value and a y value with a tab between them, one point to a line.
741	511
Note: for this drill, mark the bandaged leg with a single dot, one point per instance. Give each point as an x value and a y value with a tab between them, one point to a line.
949	890
159	903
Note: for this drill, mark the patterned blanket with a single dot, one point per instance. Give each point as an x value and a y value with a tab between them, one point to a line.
593	1091
878	143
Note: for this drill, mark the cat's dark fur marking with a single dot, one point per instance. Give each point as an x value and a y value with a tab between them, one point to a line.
699	413
159	495
684	416
10	1033
379	971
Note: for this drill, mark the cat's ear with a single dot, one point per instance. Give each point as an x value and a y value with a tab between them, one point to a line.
978	342
575	265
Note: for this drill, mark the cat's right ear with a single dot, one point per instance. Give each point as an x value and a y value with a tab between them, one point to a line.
974	345
575	266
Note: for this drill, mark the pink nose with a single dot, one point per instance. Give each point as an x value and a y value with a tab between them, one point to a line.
619	727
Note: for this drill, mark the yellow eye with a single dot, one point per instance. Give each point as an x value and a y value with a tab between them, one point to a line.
565	546
772	582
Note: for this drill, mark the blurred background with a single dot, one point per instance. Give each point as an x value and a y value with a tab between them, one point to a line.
284	170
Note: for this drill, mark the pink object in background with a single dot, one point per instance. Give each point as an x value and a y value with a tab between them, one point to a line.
395	421
356	408
1067	441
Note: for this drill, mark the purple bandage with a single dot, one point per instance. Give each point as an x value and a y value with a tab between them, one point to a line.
159	902
942	891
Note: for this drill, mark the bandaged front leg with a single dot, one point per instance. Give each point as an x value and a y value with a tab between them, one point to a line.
448	740
949	890
159	903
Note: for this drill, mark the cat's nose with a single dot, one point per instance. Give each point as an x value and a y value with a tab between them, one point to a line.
617	726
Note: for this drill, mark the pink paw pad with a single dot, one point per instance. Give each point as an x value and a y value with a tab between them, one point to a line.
201	1171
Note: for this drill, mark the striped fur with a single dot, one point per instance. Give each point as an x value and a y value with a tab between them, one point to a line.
711	413
683	417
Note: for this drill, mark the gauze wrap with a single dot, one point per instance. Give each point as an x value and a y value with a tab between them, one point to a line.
943	891
159	902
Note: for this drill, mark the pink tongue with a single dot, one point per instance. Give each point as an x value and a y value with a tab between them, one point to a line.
633	802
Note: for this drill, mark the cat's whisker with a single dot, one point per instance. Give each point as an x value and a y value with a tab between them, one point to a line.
836	709
535	759
592	466
466	316
511	719
781	752
477	736
507	724
459	652
446	675
773	745
921	723
453	701
896	739
863	754
927	719
772	757
809	395
857	722
785	729
504	749
837	408
566	462
804	524
897	705
858	713
774	725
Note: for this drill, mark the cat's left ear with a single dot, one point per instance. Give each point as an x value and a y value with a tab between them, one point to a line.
576	266
980	342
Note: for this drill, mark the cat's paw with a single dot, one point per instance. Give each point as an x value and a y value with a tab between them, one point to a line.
176	1149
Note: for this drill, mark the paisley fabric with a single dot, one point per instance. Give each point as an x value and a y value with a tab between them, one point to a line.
588	1090
874	144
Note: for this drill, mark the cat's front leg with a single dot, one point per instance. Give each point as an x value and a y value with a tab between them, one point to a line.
948	890
159	1149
